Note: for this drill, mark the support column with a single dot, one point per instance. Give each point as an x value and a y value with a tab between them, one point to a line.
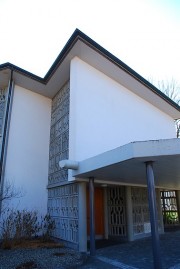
105	214
129	214
82	218
153	215
92	217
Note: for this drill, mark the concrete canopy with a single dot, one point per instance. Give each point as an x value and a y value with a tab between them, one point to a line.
126	164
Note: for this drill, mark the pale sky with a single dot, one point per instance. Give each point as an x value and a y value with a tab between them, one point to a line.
144	34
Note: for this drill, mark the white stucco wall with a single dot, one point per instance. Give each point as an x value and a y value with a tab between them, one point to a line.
105	115
28	148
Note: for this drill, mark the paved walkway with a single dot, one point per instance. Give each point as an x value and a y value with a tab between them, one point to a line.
137	255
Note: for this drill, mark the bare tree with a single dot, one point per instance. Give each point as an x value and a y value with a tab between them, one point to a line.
177	122
7	193
10	192
171	88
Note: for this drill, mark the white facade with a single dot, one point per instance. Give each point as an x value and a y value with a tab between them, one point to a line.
28	149
105	115
87	104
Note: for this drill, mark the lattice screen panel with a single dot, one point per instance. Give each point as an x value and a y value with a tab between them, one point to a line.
3	93
59	135
116	211
63	207
169	208
141	218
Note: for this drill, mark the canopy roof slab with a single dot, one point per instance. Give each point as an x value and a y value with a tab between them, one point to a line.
126	164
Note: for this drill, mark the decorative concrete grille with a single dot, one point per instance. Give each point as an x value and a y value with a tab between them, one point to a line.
3	93
59	135
116	211
62	200
169	208
63	208
140	208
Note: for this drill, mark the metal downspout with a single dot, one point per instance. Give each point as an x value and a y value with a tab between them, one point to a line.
6	134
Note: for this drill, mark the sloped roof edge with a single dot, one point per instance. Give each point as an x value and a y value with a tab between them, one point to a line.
79	35
21	71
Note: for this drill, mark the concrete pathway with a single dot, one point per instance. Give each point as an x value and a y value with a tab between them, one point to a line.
137	255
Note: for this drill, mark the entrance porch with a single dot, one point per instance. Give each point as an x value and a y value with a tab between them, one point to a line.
122	213
135	164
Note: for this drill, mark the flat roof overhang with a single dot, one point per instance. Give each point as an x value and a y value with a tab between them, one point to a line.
126	164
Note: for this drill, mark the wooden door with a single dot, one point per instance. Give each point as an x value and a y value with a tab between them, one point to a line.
99	212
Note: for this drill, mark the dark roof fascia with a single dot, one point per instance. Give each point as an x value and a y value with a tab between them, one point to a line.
78	35
62	55
17	69
70	43
125	67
